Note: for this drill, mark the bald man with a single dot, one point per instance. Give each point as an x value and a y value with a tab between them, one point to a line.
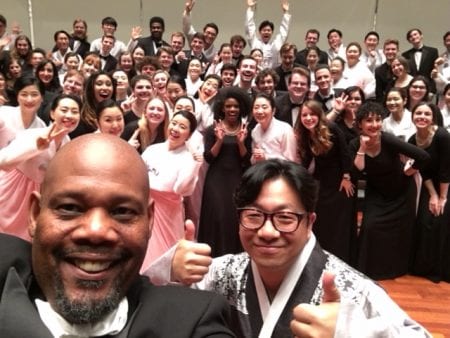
90	226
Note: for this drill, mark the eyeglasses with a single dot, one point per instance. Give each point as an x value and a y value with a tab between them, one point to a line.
282	221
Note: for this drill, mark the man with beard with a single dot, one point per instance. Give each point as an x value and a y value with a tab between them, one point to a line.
90	226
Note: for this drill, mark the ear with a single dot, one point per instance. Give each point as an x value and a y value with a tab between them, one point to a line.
311	219
35	210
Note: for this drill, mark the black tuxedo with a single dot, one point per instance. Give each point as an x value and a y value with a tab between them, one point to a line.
429	55
300	57
324	100
284	108
110	63
383	77
153	311
283	77
83	47
148	44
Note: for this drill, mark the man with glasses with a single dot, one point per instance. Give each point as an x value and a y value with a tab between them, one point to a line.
283	268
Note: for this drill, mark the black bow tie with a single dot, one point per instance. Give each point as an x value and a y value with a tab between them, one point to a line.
104	57
418	49
295	105
328	97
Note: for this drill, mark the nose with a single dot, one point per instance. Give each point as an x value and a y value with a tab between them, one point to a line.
268	231
96	227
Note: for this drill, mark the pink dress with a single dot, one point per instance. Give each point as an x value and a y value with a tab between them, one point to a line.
173	174
22	170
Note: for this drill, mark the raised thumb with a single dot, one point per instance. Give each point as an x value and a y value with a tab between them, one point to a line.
189	230
330	292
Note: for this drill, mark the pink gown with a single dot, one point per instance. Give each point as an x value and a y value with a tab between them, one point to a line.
22	170
173	174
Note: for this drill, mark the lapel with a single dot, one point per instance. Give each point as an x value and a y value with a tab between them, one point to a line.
18	315
303	292
424	58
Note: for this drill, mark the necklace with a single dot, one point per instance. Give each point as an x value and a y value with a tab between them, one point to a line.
424	142
231	132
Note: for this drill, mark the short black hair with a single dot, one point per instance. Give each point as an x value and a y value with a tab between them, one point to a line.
295	175
264	24
370	108
213	26
372	33
334	30
157	19
109	21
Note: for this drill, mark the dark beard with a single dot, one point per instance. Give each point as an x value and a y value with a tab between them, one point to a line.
86	311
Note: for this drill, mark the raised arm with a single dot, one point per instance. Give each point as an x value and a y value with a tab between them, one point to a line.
188	29
250	26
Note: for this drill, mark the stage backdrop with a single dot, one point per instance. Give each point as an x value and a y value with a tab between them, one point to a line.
391	18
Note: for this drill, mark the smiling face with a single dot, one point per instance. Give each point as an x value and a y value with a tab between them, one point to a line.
272	251
263	112
159	82
90	227
247	70
298	86
174	91
103	88
62	42
395	102
266	33
138	55
194	69
46	74
397	68
126	62
231	110
178	131
417	91
226	55
352	54
209	87
323	80
143	90
14	70
22	46
121	80
266	85
111	121
29	99
334	40
73	85
353	102
155	111
371	42
66	115
308	118
390	50
371	125
183	104
422	117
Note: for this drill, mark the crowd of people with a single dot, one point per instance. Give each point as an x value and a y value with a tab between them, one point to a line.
369	124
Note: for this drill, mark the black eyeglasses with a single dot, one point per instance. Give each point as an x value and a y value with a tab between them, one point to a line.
282	221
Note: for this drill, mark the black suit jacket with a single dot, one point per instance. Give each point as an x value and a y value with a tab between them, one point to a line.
284	108
429	55
110	63
148	45
283	74
300	57
154	311
82	49
317	97
383	76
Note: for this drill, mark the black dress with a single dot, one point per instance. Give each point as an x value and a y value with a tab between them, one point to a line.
219	223
336	216
431	242
384	242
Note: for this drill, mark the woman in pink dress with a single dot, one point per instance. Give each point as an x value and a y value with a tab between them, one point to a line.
172	171
24	160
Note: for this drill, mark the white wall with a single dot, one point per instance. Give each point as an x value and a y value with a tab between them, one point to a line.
353	17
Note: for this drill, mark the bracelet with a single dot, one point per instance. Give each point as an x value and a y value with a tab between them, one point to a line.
360	153
346	177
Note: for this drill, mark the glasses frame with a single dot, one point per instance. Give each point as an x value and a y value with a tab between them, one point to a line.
270	215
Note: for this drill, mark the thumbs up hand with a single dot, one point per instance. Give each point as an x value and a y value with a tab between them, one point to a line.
191	260
318	320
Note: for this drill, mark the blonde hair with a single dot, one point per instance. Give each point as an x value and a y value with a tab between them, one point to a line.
146	137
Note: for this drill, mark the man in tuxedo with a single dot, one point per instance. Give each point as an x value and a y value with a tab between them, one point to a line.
289	105
383	73
108	62
421	57
78	41
325	93
90	226
287	56
150	44
311	39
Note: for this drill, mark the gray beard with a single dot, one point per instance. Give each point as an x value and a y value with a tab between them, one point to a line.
86	311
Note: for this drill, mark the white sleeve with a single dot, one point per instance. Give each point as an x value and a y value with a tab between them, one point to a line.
250	26
284	31
290	145
22	148
376	316
188	29
188	176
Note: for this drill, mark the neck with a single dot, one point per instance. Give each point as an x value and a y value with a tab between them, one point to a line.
27	118
398	115
138	107
272	281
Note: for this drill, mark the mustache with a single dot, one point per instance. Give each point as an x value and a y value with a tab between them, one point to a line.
103	250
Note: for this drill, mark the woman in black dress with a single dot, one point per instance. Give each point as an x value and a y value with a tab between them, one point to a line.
324	143
227	151
431	246
390	196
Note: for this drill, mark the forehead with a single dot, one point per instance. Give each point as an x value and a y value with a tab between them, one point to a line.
184	102
248	63
278	193
102	77
156	25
